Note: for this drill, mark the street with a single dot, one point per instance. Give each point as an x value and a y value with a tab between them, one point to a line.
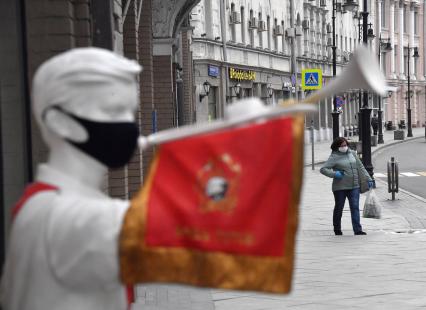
412	165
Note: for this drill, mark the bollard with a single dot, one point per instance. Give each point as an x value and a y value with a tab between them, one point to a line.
393	177
312	142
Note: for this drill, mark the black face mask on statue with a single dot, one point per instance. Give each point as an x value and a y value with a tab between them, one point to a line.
112	143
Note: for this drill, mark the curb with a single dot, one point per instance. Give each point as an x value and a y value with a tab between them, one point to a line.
373	152
404	191
394	143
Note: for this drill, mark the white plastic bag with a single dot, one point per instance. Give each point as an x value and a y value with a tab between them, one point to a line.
372	206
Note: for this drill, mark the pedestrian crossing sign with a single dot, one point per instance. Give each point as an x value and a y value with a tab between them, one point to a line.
311	79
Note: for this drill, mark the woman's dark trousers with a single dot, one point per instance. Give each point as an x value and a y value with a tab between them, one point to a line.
339	199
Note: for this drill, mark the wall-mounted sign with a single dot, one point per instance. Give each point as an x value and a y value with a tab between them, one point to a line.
241	75
213	71
311	79
293	80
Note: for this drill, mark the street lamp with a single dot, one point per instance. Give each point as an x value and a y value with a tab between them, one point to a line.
358	16
206	86
384	46
349	5
366	110
415	55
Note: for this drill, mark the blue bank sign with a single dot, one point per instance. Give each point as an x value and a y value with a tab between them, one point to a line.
213	71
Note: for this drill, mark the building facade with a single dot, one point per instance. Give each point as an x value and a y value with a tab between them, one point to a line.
244	48
402	24
152	32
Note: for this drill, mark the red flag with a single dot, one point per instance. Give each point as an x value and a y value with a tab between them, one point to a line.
219	210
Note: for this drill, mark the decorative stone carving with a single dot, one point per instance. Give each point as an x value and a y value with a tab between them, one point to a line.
167	15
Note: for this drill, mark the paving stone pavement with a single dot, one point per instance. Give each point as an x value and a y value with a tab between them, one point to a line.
384	270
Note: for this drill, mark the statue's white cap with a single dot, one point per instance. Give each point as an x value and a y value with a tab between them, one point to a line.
70	76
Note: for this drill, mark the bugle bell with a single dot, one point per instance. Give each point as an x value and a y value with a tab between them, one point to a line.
362	72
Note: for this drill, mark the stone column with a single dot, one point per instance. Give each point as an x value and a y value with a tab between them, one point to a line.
392	37
401	41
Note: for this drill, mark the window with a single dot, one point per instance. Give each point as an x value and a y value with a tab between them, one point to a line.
260	33
268	25
406	12
383	62
395	19
233	30
251	30
275	37
415	66
383	15
283	39
415	23
208	15
405	61
243	26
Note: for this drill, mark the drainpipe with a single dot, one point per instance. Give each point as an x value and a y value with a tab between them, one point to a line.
225	53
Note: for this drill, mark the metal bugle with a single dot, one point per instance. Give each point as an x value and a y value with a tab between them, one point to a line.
362	72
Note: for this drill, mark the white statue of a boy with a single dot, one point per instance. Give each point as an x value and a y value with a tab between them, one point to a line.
63	250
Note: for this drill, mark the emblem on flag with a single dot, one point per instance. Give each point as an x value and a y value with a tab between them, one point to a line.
218	184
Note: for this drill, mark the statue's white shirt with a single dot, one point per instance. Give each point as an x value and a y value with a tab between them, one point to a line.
63	249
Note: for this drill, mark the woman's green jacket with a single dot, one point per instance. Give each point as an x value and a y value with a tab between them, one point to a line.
349	164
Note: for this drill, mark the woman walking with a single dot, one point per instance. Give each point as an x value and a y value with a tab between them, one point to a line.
344	167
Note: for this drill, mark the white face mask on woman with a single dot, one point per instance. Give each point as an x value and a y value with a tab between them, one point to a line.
343	149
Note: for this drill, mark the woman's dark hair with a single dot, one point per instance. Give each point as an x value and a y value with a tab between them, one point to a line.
336	143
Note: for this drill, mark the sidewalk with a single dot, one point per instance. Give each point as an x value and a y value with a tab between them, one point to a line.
383	270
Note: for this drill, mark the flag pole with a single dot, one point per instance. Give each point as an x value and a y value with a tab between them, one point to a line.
234	121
